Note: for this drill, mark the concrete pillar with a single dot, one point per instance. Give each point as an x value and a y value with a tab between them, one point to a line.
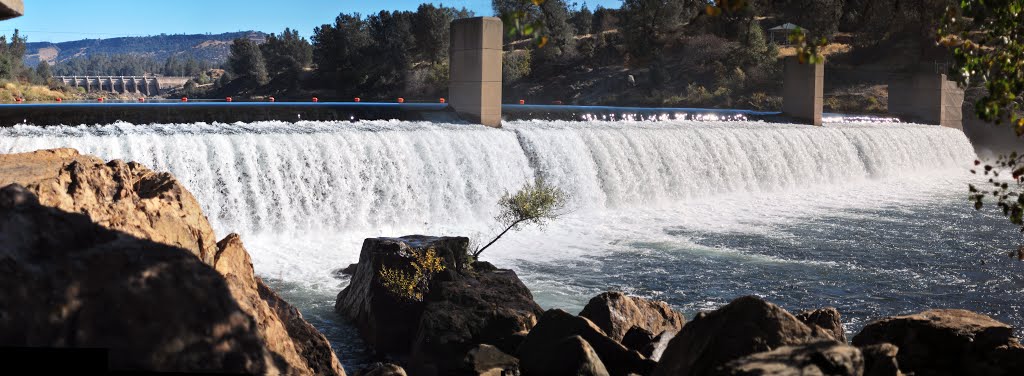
803	92
474	87
927	98
11	8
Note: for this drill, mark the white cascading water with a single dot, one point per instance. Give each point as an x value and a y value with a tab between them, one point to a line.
274	182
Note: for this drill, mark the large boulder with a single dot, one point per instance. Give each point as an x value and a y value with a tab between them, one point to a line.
948	342
487	360
880	360
72	283
462	306
556	325
486	307
124	254
387	322
821	358
616	313
125	197
828	319
381	369
747	325
567	356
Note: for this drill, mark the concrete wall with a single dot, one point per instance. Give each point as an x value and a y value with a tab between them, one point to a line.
927	98
803	93
474	88
11	8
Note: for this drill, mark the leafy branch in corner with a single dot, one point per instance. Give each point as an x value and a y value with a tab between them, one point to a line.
987	38
535	203
1008	194
518	23
808	50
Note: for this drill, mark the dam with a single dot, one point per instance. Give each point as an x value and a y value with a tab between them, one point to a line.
146	85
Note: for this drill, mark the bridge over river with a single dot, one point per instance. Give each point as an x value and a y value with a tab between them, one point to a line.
148	85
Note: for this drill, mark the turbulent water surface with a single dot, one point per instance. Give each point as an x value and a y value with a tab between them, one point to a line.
869	218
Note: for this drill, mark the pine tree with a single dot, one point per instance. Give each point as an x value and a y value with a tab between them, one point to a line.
246	62
43	72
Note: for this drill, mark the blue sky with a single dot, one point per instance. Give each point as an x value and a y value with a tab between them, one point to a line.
63	20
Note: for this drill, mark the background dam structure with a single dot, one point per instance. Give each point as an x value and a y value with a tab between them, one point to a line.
869	218
146	85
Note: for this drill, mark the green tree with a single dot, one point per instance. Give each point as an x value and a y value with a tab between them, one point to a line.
246	62
582	20
340	52
647	25
11	56
535	203
286	56
388	55
43	72
557	28
430	26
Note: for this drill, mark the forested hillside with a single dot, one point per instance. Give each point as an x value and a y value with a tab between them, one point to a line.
209	48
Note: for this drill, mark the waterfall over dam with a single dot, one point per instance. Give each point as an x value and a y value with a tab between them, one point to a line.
339	176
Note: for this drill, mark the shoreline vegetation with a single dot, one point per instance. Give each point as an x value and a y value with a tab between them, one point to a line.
114	255
624	56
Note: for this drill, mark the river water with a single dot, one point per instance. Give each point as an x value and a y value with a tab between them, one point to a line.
869	218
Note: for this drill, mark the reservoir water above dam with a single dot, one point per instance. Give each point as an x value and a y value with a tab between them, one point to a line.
869	218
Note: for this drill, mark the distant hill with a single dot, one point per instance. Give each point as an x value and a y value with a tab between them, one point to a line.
209	47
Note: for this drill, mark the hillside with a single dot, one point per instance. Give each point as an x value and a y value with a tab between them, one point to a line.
212	48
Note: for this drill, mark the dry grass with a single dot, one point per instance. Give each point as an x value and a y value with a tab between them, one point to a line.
829	49
11	91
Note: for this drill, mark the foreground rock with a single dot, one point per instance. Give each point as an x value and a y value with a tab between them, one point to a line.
113	255
880	360
948	342
746	326
547	339
567	356
826	357
616	313
462	306
827	319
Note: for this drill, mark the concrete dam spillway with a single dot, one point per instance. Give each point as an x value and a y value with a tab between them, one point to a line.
291	176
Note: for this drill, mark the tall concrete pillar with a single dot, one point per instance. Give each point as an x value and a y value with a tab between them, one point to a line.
11	8
474	87
803	92
927	98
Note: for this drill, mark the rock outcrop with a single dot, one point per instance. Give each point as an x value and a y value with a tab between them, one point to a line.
826	357
556	325
487	360
463	306
746	326
114	255
616	313
880	360
381	369
567	356
948	342
828	319
124	197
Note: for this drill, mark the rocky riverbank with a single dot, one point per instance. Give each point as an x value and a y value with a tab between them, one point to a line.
474	319
118	257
